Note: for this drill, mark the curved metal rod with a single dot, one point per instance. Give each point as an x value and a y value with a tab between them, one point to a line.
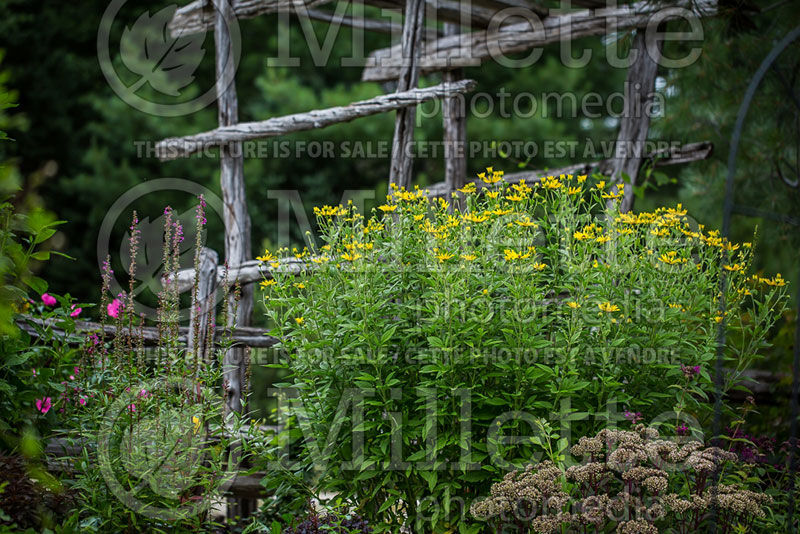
728	208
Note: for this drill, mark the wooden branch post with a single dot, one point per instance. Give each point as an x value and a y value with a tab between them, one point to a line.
203	302
236	219
455	126
639	93
402	161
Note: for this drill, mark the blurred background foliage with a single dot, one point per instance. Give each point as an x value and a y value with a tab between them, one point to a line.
75	147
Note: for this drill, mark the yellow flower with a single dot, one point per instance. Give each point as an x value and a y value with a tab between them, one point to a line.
299	320
581	236
471	217
539	266
469	188
735	268
608	307
512	255
778	281
300	285
485	291
329	211
602	239
582	178
419	217
468	257
601	185
197	423
574	190
443	257
266	257
514	198
387	207
574	305
526	223
663	232
493	194
671	258
267	283
551	182
351	257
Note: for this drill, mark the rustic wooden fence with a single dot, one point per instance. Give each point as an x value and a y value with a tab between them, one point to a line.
470	34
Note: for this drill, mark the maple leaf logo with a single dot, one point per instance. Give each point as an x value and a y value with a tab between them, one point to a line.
168	64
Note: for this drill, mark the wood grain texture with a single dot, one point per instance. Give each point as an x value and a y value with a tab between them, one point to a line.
635	123
177	147
200	15
402	162
476	47
454	119
203	305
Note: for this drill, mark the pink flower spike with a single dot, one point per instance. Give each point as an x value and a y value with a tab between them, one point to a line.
48	300
44	404
113	308
82	401
132	408
77	370
75	311
34	372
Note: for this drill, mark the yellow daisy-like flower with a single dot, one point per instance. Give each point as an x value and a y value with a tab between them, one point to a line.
603	239
573	304
539	266
551	182
493	194
601	185
512	255
347	256
266	257
268	283
471	217
526	223
514	198
608	307
671	258
300	285
581	236
469	188
197	423
778	281
735	268
299	320
386	208
443	257
329	211
574	190
582	178
468	257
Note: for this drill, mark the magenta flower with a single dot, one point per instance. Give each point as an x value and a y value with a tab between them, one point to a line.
633	417
690	371
44	404
48	300
114	307
682	430
82	401
132	408
75	311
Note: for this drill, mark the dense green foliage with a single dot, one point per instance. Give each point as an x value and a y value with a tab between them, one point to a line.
432	347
